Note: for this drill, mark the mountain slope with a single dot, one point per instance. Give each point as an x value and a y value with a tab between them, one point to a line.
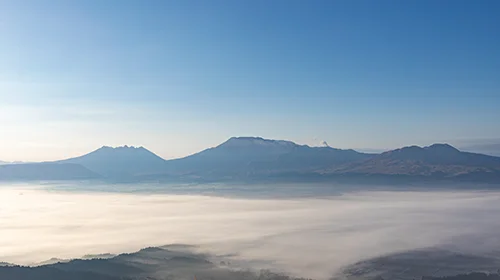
305	158
246	156
45	171
120	162
438	160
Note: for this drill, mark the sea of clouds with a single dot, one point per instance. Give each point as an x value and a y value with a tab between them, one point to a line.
309	236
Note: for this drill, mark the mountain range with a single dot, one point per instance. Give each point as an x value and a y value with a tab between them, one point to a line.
252	158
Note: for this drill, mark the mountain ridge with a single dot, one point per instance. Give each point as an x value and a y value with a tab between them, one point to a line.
437	160
249	158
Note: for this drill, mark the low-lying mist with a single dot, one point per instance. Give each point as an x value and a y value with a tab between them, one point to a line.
310	237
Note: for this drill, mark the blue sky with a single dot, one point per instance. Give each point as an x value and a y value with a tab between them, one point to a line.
180	76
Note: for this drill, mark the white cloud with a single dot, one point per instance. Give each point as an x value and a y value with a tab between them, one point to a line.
306	236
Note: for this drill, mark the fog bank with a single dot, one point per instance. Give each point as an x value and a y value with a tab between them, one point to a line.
311	237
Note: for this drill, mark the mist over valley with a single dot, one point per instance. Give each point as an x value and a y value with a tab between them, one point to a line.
302	235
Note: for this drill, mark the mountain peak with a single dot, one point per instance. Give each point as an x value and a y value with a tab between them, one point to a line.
256	141
124	147
423	153
123	151
406	149
119	161
434	148
442	147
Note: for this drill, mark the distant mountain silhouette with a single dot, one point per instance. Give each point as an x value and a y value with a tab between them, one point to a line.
250	158
120	162
438	160
45	171
244	156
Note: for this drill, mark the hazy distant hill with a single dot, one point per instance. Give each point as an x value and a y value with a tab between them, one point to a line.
425	264
147	264
438	160
120	162
244	156
45	171
177	262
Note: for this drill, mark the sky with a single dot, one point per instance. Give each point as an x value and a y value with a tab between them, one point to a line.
181	76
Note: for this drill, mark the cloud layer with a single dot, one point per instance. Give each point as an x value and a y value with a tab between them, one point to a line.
311	237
